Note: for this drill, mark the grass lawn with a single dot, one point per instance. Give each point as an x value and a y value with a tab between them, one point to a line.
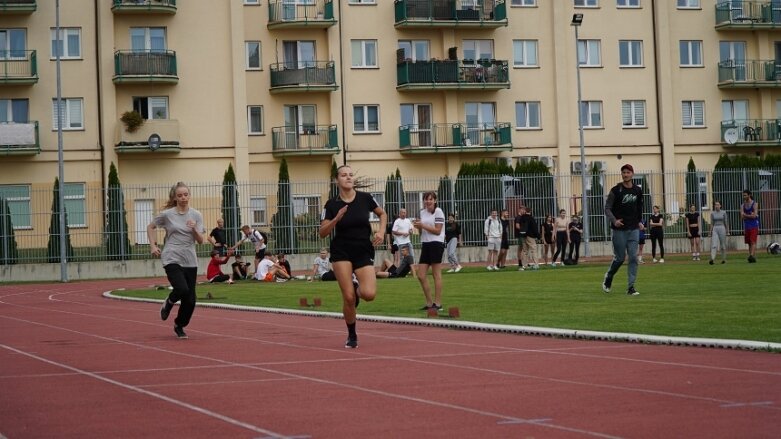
679	298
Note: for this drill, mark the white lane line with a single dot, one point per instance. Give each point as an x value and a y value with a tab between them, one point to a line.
212	383
748	404
177	402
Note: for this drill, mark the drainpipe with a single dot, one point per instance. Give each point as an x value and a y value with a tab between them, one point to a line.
658	107
98	81
344	85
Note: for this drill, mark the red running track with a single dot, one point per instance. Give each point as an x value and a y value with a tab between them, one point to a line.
76	365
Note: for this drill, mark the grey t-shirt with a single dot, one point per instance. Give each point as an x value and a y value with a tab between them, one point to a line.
179	245
718	218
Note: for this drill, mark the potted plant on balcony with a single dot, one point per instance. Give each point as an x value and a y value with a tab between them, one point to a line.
132	120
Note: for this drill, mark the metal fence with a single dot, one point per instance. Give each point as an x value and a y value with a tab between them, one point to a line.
290	213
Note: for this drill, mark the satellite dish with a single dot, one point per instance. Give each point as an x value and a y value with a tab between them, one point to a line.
154	142
731	135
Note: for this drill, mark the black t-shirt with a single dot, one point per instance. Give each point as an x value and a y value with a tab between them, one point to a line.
452	230
354	225
693	219
574	229
532	230
521	226
505	229
626	204
219	235
656	219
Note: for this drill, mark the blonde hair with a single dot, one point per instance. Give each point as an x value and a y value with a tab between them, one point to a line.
172	194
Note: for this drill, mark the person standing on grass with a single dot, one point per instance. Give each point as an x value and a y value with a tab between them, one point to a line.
183	229
749	213
624	210
504	218
431	224
693	231
453	238
402	231
257	239
561	224
574	232
217	237
492	229
657	235
529	253
521	226
548	238
719	230
352	244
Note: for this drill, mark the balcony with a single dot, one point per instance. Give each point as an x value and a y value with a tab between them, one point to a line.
307	140
300	14
18	67
750	73
314	76
138	141
19	138
455	137
748	15
449	14
17	6
751	132
452	75
143	7
146	67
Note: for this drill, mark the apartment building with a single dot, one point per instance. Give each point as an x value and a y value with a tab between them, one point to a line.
419	85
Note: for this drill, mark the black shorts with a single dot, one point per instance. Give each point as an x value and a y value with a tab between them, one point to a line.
695	232
505	244
431	252
641	240
359	253
394	249
260	254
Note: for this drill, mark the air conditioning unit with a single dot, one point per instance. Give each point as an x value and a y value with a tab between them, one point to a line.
575	167
599	165
546	160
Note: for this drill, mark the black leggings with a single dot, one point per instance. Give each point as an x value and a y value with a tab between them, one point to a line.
574	246
183	281
561	246
657	235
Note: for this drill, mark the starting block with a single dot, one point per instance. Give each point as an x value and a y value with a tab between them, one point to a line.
303	302
432	312
209	296
454	312
318	301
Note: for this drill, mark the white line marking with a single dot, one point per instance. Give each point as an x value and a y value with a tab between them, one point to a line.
748	404
212	383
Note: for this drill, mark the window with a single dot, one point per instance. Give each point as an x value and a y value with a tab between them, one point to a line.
630	53
702	192
589	53
732	111
586	3
18	199
379	197
300	119
13	43
364	53
688	4
154	107
257	211
252	55
415	50
366	118
14	110
523	3
307	204
252	2
628	3
632	114
591	114
73	194
254	119
478	49
693	114
480	123
691	53
524	53
362	2
417	118
527	115
72	113
147	39
69	44
299	54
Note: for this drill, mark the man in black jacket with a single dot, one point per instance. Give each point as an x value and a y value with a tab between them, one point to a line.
624	209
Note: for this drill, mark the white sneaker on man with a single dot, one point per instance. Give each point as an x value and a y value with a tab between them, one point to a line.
451	270
458	269
489	267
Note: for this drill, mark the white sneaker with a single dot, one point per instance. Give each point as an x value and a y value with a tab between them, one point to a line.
452	270
661	261
496	268
520	268
553	265
655	260
489	268
458	269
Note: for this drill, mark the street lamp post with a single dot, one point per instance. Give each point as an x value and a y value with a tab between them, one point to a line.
577	20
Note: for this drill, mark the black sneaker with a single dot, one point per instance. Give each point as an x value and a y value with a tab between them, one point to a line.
351	343
710	262
357	296
632	292
437	307
180	332
165	310
425	307
606	284
752	259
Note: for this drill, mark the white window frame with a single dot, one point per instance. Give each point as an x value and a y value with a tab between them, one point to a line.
632	46
688	4
379	197
251	2
148	39
362	45
366	124
586	3
75	203
528	106
413	49
64	33
6	52
258	210
528	49
19	206
689	45
9	110
153	102
523	3
592	109
250	109
636	112
587	50
627	4
311	205
689	108
247	53
68	123
477	46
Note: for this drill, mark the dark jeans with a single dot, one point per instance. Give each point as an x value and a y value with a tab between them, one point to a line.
561	246
183	281
574	246
657	234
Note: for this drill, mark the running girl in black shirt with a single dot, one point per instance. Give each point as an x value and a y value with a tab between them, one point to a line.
352	244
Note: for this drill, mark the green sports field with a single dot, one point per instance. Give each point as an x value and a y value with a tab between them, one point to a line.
682	298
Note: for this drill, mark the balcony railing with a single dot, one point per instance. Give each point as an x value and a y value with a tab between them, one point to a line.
18	67
749	73
450	13
18	6
751	132
450	74
138	141
300	13
306	76
145	67
144	6
456	137
748	15
19	138
305	140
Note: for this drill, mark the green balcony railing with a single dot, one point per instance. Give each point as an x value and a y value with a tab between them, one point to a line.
460	137
300	13
750	73
305	140
144	6
312	75
19	138
18	67
748	14
450	13
453	74
145	66
18	6
751	132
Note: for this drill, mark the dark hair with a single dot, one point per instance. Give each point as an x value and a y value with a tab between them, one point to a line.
172	194
748	192
431	194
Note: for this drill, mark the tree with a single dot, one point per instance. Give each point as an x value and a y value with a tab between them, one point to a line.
282	223
692	186
231	213
597	226
445	196
538	188
8	251
334	188
53	248
479	190
394	195
117	242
